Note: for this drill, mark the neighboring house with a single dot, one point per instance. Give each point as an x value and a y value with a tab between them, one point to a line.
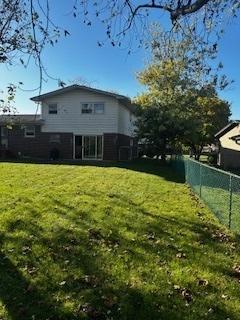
229	146
76	122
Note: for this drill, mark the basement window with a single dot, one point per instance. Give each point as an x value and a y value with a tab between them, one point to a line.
29	131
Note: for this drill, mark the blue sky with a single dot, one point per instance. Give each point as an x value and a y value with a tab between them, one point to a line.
108	67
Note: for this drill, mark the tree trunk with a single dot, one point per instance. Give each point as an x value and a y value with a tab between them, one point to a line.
198	152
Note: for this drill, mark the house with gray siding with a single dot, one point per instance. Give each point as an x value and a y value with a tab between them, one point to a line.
75	122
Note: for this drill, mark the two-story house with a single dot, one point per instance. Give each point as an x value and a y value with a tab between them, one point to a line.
76	122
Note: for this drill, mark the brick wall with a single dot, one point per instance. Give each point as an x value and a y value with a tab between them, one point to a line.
119	145
40	145
114	145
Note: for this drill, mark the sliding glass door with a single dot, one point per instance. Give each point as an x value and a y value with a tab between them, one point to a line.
92	147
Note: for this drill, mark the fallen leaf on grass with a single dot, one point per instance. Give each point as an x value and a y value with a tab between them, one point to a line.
180	255
109	302
202	282
91	312
236	271
67	248
221	236
150	236
91	280
176	287
187	295
94	234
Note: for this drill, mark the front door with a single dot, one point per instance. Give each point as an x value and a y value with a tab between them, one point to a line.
92	147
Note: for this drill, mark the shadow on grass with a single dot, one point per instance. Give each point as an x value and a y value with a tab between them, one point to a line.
92	252
92	268
22	299
150	166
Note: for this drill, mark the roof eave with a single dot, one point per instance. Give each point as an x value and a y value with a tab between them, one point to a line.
75	87
227	128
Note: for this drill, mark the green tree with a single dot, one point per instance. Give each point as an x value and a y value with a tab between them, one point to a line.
165	106
176	108
208	115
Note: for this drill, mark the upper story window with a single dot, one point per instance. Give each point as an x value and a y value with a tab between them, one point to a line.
29	131
87	108
93	108
52	108
99	108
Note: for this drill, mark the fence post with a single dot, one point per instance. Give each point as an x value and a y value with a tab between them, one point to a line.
187	169
200	180
230	202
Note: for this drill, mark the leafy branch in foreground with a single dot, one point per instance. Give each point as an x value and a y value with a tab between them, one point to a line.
27	26
7	100
128	20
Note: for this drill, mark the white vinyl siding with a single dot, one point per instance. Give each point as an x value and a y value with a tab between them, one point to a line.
125	121
71	119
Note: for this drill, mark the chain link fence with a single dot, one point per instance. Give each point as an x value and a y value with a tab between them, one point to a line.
219	189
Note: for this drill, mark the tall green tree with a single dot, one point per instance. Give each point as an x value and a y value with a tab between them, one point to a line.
163	107
209	114
177	108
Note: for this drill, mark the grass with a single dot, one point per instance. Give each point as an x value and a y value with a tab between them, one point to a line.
127	242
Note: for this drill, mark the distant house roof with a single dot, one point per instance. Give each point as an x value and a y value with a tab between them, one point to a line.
124	100
227	128
20	118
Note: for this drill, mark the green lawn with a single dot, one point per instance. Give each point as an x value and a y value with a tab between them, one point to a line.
87	242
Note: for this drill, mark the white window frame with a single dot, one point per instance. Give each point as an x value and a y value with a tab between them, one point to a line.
91	106
83	147
53	112
97	104
27	129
